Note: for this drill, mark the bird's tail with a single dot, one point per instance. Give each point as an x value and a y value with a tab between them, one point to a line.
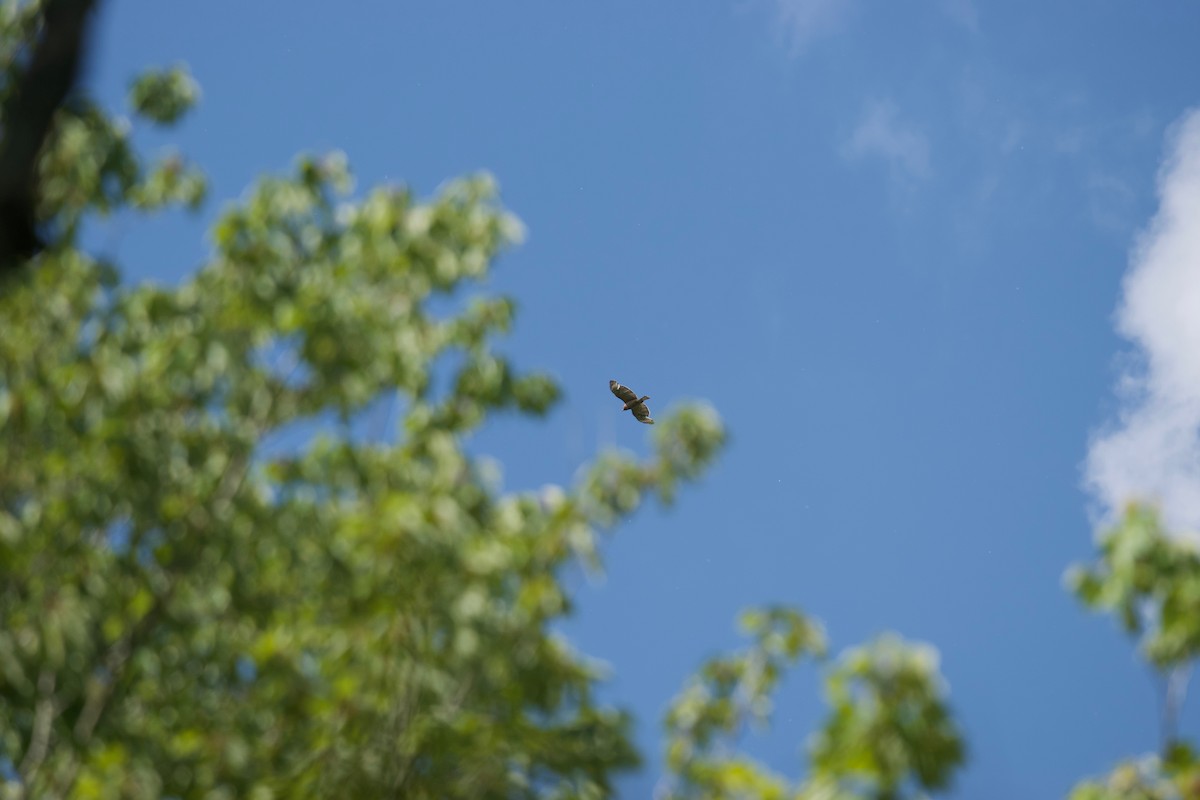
647	420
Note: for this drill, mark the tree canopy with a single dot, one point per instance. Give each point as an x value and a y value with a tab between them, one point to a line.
183	613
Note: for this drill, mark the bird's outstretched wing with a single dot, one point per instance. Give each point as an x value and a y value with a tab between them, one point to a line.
626	394
642	414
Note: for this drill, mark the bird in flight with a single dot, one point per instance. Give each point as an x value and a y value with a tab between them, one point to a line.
632	402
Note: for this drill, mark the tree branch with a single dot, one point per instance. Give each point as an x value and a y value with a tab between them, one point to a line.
39	740
27	119
1174	696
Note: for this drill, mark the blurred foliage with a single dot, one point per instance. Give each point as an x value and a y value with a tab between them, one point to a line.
889	734
164	95
1175	777
1150	580
726	694
890	727
183	614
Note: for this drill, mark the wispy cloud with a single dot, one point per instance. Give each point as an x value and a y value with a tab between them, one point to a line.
882	134
1110	201
964	12
1152	452
802	21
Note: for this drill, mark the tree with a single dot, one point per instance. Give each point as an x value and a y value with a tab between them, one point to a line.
889	734
184	614
41	69
1151	581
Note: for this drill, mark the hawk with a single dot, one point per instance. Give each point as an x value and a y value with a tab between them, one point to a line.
632	402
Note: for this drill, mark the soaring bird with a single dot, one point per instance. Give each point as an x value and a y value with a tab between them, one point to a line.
632	402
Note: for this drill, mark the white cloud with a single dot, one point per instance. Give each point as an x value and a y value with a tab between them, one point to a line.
802	21
882	134
1152	452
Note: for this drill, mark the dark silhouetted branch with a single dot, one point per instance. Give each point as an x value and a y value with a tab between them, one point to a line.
27	118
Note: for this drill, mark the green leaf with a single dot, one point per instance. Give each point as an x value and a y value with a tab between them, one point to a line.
163	96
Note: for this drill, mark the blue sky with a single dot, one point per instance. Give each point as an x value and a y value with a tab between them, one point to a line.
888	241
